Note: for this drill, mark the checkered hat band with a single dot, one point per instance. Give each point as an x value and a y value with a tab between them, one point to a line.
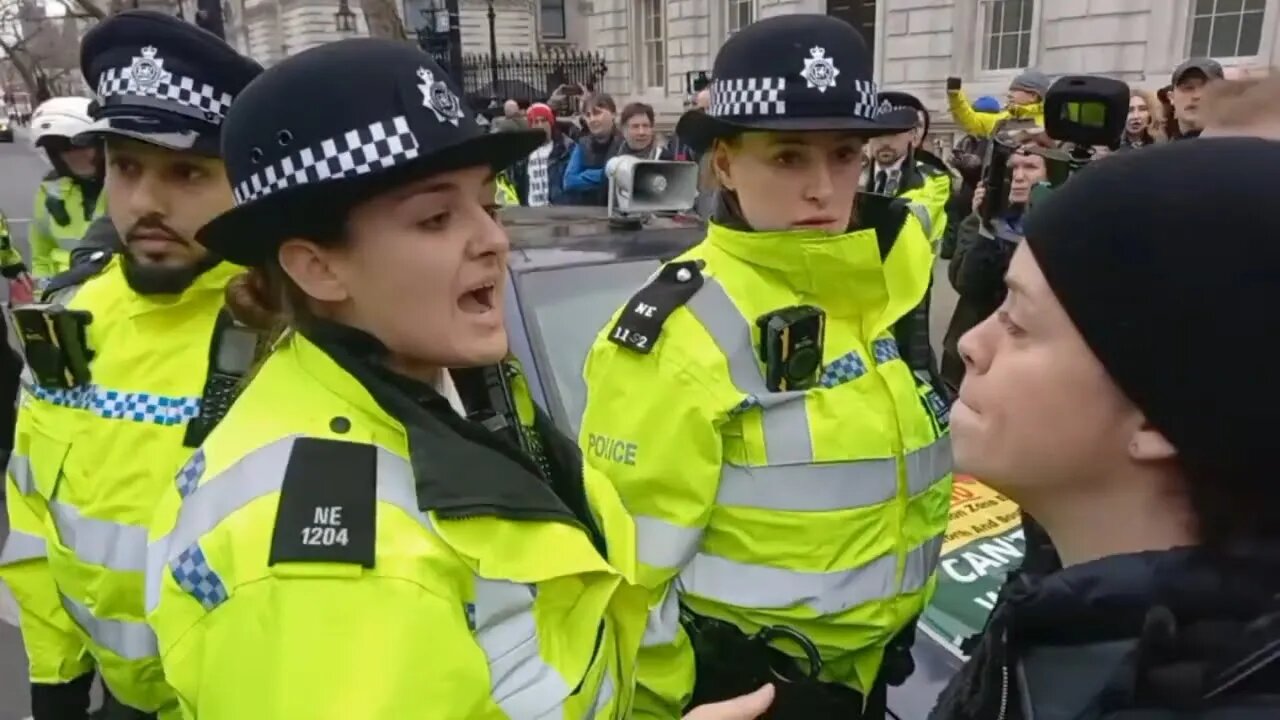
380	145
762	97
118	84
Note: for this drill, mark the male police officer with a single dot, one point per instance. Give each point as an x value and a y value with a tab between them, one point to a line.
901	167
98	442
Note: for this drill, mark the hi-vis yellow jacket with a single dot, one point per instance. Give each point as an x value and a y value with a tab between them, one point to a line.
345	546
822	510
986	124
59	221
56	653
99	456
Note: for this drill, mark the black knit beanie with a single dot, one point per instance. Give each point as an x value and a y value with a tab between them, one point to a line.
1168	262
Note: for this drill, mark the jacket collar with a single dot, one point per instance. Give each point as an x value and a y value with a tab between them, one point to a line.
847	275
499	480
210	283
1030	110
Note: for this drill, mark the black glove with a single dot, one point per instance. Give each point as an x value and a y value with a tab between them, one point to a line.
953	83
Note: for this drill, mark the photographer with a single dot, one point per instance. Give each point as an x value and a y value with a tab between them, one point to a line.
1090	399
1024	105
982	255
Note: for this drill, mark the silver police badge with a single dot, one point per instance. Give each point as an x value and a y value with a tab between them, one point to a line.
885	107
147	71
437	96
819	72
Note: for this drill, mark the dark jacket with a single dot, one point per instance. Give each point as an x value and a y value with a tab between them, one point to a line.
977	273
1165	635
584	181
101	235
561	148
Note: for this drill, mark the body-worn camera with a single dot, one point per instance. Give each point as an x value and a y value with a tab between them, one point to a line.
54	343
791	347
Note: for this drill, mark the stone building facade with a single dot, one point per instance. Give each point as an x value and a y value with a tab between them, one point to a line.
651	44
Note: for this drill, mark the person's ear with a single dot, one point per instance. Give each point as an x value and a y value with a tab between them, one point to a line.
721	162
312	269
1150	445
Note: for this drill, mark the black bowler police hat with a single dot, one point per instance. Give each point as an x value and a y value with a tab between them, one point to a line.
335	125
161	80
790	73
901	108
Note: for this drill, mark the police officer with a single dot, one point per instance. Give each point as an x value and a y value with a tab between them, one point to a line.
346	544
70	196
137	378
788	471
901	167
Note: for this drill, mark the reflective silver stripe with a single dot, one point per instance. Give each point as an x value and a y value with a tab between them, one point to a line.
922	562
786	421
664	544
114	546
523	685
256	475
922	214
19	468
832	486
929	465
664	620
20	547
763	587
129	640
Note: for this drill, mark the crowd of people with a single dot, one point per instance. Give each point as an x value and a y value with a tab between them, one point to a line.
252	474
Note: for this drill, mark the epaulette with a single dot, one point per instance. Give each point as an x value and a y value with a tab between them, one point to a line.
640	322
327	511
931	164
79	273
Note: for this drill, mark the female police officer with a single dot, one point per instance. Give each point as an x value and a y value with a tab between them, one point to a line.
345	544
786	468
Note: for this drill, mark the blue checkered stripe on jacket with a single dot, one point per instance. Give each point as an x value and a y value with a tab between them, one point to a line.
111	404
846	368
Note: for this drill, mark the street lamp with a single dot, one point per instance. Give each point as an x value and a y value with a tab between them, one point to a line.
344	18
493	50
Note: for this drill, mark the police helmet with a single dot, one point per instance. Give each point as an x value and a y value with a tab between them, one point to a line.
58	120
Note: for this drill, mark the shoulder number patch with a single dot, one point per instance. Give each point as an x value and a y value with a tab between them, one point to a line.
328	504
640	322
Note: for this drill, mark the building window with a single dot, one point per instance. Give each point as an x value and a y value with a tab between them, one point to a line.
737	15
552	18
652	32
1226	28
1007	34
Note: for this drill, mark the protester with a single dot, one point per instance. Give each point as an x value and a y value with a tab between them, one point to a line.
539	178
1145	124
584	181
1089	399
1024	105
982	256
1188	84
636	122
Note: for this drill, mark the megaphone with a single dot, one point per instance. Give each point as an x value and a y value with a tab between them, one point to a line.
647	186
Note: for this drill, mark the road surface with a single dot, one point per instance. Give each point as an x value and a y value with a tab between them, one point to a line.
20	172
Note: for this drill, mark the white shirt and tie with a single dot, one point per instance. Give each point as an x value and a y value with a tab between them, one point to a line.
885	179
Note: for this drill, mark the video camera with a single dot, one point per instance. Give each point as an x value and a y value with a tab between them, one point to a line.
1082	111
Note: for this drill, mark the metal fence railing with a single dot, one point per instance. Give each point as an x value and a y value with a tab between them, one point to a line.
531	77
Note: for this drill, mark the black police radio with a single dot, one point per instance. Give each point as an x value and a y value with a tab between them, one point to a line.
54	343
791	347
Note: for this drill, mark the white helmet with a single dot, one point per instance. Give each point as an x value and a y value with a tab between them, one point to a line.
60	117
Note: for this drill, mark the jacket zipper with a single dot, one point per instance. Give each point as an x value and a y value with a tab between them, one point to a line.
1004	692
